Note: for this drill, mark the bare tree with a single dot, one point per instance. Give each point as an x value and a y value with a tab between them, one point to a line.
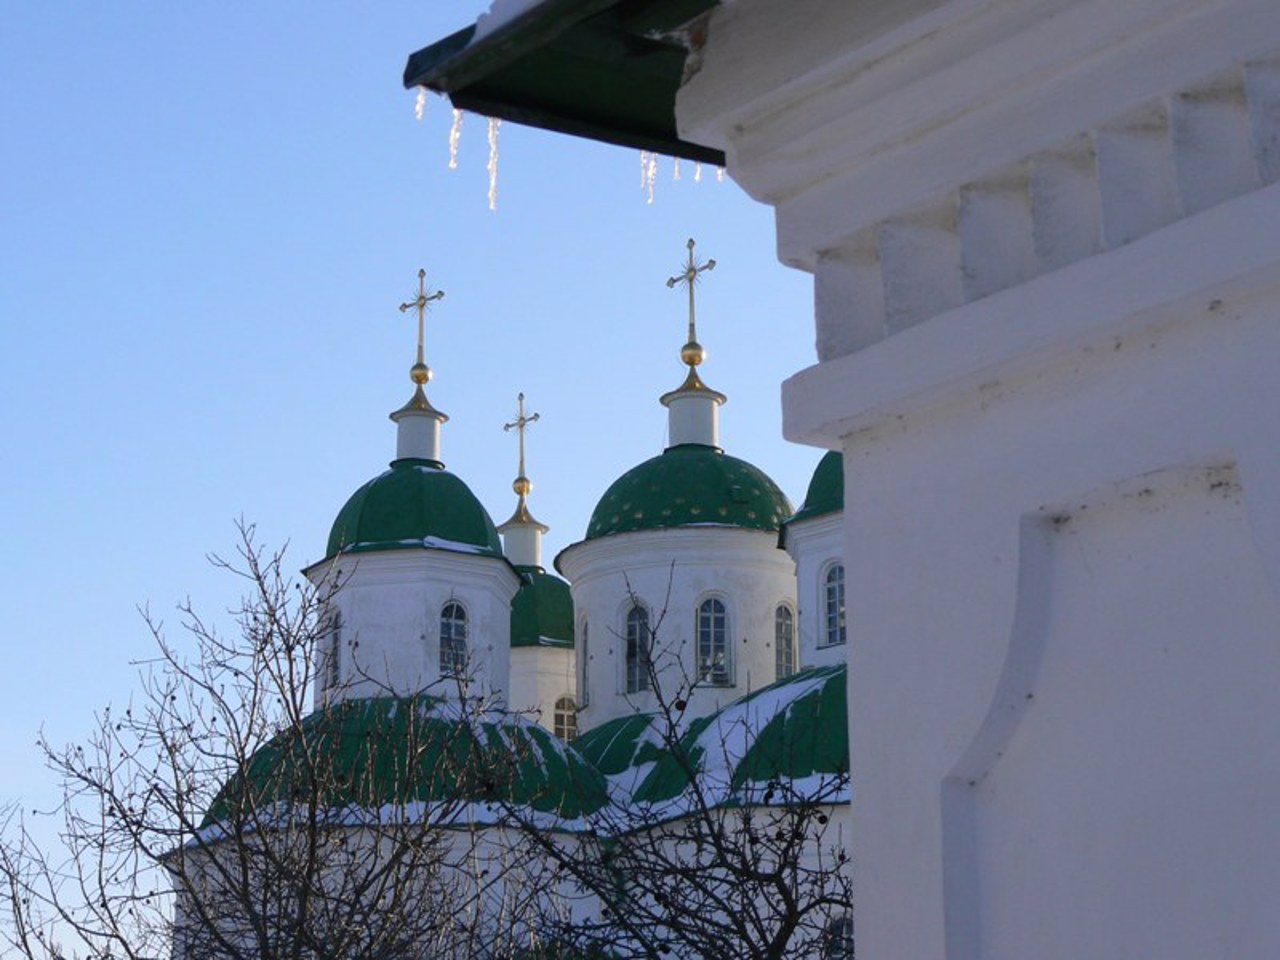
217	815
725	846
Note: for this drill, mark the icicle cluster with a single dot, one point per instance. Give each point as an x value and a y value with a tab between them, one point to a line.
455	134
494	124
649	172
648	158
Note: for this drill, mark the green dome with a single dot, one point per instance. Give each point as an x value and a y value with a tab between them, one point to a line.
826	489
541	611
686	485
417	503
371	754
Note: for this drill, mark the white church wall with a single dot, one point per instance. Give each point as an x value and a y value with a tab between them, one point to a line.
1047	297
390	604
540	676
817	546
671	572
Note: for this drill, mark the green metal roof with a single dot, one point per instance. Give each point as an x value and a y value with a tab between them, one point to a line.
541	611
604	69
371	754
621	743
416	503
689	485
826	489
790	737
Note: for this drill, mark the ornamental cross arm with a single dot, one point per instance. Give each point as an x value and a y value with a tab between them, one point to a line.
689	277
420	303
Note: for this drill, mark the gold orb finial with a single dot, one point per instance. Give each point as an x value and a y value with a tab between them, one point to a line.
522	486
420	374
693	353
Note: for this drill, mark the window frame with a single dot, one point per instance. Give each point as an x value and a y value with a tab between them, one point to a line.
785	661
834	630
584	654
565	718
637	661
331	679
838	938
705	627
452	662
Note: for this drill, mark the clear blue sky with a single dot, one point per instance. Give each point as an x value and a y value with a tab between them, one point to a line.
208	215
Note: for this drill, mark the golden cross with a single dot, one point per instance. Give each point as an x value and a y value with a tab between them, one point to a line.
519	424
690	279
420	304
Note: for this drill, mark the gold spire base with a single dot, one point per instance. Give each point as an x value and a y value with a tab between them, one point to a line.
522	518
419	404
693	385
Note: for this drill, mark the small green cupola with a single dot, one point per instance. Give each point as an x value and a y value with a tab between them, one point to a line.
826	489
416	503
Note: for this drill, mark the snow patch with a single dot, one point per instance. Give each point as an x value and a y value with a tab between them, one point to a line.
501	13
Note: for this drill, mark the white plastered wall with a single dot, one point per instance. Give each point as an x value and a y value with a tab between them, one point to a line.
539	677
671	572
390	604
816	545
1047	292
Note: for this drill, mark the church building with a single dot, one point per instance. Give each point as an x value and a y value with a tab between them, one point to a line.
1046	277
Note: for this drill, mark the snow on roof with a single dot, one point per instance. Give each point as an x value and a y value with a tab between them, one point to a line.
499	14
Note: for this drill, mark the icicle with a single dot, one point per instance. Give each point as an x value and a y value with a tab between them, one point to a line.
719	174
644	169
455	134
420	107
675	169
651	175
494	124
697	173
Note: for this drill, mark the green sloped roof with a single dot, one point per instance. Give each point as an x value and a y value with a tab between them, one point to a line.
687	485
826	489
620	744
416	503
370	754
790	733
541	611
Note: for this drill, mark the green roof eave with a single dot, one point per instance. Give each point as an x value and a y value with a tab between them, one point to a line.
607	70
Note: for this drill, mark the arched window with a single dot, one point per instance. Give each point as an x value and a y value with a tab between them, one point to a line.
833	605
638	641
566	718
784	641
584	652
837	939
333	653
713	643
453	640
